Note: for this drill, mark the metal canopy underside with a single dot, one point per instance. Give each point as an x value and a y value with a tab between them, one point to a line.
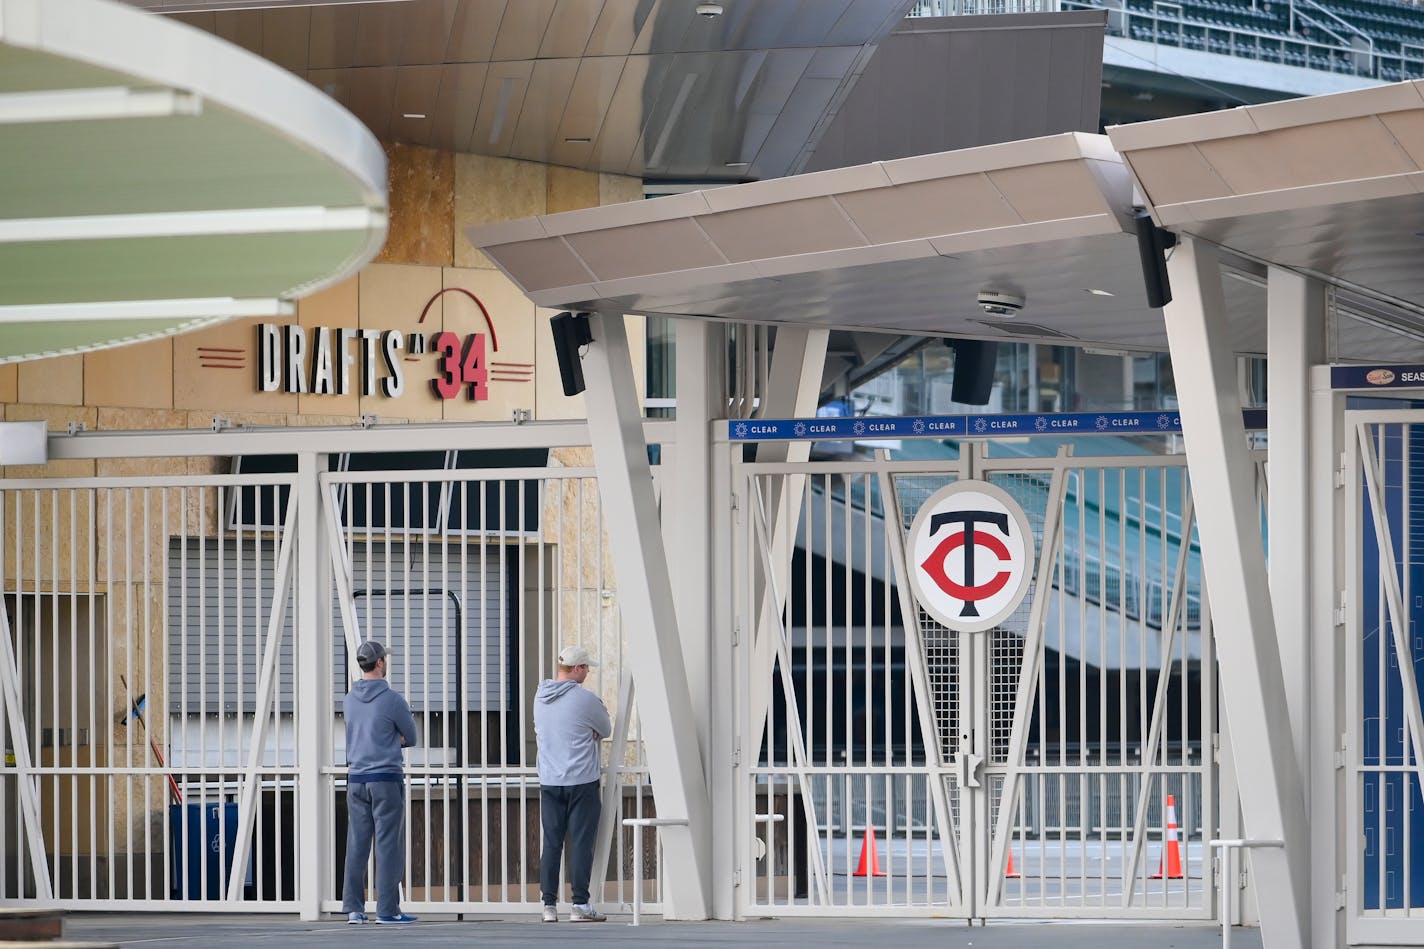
902	246
154	180
636	87
1329	185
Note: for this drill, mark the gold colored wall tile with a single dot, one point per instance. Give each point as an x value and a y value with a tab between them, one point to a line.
335	307
619	189
58	380
140	375
215	369
571	190
491	190
422	206
10	383
392	297
139	420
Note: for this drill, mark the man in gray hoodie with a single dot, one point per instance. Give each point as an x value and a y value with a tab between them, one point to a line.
378	726
569	720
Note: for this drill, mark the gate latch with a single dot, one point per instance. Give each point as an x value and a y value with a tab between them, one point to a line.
968	765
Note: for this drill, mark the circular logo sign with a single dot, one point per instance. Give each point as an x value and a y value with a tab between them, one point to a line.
971	555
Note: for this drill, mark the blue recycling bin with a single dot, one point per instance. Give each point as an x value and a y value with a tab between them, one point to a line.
202	863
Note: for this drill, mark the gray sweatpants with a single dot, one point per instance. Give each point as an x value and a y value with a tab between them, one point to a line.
374	810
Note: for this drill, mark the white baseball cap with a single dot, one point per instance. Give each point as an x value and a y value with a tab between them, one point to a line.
575	656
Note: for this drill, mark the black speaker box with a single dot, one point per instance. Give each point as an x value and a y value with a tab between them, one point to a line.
571	331
974	361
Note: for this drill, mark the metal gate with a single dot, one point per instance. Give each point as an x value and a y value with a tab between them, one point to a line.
893	766
174	651
1384	666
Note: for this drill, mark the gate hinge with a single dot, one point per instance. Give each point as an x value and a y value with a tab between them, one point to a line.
737	753
1340	615
1340	471
1340	895
1216	749
736	634
737	877
1340	759
736	508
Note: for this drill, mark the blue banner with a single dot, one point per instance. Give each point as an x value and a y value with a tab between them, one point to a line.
972	426
1377	377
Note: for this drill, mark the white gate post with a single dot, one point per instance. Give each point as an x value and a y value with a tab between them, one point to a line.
625	484
1234	566
314	656
1327	581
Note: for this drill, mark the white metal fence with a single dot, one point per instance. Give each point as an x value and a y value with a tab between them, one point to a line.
1053	741
171	716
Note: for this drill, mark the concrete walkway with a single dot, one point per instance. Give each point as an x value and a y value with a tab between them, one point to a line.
244	932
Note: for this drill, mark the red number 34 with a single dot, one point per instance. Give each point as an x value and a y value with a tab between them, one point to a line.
461	367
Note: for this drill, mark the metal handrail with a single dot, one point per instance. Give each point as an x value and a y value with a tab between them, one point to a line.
1229	846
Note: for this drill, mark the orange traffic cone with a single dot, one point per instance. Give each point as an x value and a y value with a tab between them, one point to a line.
1172	858
1011	873
869	860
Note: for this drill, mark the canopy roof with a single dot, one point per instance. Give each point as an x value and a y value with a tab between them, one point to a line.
155	179
1329	185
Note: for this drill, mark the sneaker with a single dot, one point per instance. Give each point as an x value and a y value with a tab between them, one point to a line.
551	914
397	918
356	919
585	913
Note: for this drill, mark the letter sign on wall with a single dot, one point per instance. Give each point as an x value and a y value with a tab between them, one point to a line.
970	555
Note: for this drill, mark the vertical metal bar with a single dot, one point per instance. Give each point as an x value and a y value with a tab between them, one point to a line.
24	769
264	702
919	674
1028	678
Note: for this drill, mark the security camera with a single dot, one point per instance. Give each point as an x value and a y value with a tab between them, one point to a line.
1000	303
709	10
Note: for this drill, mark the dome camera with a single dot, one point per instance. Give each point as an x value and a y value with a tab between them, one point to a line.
1000	303
709	10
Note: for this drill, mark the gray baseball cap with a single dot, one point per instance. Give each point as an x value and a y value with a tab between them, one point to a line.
369	653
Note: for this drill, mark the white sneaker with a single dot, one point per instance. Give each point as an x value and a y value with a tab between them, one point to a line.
551	914
585	913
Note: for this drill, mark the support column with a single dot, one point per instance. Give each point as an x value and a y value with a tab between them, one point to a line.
655	652
1295	341
1234	566
314	650
1327	776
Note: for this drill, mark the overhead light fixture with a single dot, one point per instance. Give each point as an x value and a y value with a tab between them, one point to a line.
577	140
193	307
738	164
86	105
1100	293
412	115
709	10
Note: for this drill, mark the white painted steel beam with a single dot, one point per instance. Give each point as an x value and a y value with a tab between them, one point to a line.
1295	341
1234	566
649	617
792	387
313	700
264	702
24	766
919	676
1327	681
350	438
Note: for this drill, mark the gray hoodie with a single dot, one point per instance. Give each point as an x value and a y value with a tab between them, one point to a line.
568	722
377	718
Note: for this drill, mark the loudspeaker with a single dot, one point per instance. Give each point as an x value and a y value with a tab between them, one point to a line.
974	361
1153	243
571	330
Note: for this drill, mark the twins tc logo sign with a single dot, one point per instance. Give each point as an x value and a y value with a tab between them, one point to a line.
971	555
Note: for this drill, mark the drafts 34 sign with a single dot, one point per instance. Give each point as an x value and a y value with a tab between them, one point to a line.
971	555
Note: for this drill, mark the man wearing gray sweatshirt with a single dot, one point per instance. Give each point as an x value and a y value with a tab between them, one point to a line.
378	726
569	720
